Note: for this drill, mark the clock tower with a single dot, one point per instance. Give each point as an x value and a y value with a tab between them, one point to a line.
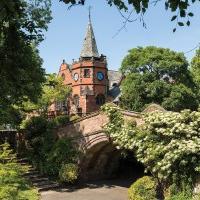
89	77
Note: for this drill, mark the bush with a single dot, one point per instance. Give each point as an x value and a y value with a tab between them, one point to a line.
40	138
74	118
47	153
12	184
143	189
60	120
68	173
180	192
62	152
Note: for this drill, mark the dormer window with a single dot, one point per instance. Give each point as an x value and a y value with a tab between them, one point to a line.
114	84
86	73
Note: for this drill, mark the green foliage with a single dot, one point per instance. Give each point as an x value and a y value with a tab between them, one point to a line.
62	152
181	8
143	189
68	173
168	144
74	118
59	121
46	152
40	138
22	23
12	185
176	193
53	90
195	66
195	69
157	75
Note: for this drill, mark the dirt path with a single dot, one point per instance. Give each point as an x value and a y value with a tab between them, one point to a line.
98	190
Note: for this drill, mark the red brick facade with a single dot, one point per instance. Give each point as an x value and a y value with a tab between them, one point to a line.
89	81
88	78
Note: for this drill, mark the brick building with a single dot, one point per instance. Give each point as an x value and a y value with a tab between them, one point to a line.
91	82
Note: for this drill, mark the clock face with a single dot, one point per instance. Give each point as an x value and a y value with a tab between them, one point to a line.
76	76
100	76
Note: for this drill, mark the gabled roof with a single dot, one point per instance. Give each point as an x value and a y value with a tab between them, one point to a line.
89	48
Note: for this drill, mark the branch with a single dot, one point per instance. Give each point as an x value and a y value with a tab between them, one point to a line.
127	19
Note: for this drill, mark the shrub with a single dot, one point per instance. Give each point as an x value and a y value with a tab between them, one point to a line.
47	153
40	138
62	152
68	173
12	184
60	120
167	144
182	191
143	189
74	118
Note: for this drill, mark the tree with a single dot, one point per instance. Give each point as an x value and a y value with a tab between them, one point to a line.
195	66
181	8
157	75
53	90
21	29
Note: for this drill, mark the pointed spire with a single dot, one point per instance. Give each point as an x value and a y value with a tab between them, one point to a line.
89	48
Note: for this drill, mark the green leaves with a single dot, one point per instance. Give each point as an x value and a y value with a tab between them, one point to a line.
152	75
167	144
190	14
180	23
174	17
12	183
141	6
21	26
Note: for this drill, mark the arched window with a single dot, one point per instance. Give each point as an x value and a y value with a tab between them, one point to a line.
100	99
63	76
76	100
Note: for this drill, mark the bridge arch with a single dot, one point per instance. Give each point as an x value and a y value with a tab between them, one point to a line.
100	157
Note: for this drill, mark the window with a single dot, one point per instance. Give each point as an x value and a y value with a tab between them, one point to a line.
100	99
86	73
63	76
114	84
76	100
59	105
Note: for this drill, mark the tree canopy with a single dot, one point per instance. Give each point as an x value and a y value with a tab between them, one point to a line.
22	23
53	90
195	66
157	75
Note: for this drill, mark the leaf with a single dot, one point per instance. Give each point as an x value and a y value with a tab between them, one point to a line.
174	17
190	14
182	13
188	23
180	23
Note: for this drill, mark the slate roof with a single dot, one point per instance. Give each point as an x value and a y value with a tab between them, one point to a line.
114	78
89	48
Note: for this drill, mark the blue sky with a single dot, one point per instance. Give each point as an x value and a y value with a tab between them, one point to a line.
66	32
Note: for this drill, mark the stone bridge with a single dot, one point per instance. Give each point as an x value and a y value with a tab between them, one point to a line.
100	157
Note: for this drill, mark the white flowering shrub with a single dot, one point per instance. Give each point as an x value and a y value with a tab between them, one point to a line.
168	144
122	133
